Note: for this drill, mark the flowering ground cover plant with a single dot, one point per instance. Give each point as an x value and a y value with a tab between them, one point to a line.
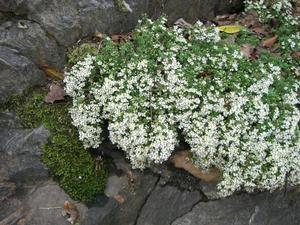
237	114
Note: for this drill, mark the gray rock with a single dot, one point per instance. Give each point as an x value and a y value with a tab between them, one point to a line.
192	10
70	20
7	189
12	211
104	16
135	198
58	18
97	214
17	73
166	204
126	213
20	154
260	209
9	120
32	42
45	204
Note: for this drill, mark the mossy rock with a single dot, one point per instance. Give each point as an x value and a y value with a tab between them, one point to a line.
64	154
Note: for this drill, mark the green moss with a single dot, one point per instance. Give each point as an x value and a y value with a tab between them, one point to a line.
78	53
70	163
247	37
119	4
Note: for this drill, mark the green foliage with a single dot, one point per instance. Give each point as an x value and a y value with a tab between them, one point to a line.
70	163
120	5
78	53
247	37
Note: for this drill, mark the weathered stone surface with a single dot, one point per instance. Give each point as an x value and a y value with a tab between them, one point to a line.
134	192
17	73
45	205
259	209
11	211
58	18
9	120
7	189
135	198
32	42
166	204
192	10
98	213
20	154
109	18
69	20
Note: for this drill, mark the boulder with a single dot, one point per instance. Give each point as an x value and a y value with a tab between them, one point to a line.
106	17
17	73
70	20
58	18
32	42
265	208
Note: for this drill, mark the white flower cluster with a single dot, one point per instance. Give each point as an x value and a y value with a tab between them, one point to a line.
85	114
205	34
292	43
254	144
234	113
280	9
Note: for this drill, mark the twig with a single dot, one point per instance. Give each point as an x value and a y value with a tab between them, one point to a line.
48	208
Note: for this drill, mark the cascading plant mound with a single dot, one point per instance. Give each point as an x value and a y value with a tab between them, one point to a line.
238	115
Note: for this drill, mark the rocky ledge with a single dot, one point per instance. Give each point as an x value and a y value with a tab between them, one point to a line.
163	195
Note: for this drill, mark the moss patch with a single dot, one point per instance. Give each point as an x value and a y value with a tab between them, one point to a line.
120	5
70	163
78	53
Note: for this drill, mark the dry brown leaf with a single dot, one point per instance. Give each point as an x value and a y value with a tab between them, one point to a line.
98	35
117	38
296	55
52	72
119	198
270	42
56	93
71	210
249	51
260	30
182	160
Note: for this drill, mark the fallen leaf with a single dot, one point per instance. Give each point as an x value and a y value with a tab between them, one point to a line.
70	210
98	35
296	55
117	38
270	42
119	198
182	160
259	30
230	29
56	93
52	72
249	51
